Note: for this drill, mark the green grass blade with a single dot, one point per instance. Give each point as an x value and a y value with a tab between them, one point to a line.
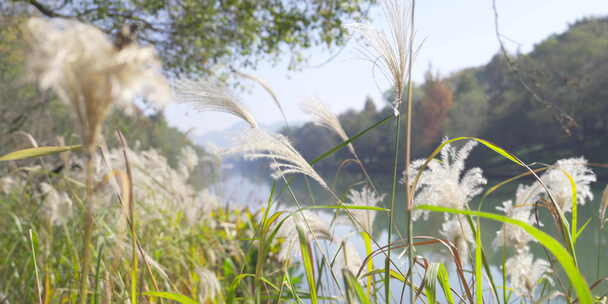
231	292
580	231
354	286
34	245
182	299
484	260
353	138
444	281
98	273
478	263
37	152
307	259
367	240
437	272
561	254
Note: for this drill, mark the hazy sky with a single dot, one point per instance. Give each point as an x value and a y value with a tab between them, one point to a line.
456	34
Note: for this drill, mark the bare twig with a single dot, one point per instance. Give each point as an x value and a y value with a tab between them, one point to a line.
565	120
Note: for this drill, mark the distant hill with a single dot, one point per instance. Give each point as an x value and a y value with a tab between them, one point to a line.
548	104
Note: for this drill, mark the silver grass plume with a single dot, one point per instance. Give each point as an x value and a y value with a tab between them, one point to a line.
559	184
266	87
209	96
309	222
457	230
209	285
525	273
257	143
390	50
444	182
512	235
363	220
347	258
323	117
88	72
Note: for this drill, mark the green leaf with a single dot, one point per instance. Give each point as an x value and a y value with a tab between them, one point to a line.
353	285
171	296
308	265
579	232
231	292
561	254
444	281
353	138
37	152
436	272
478	263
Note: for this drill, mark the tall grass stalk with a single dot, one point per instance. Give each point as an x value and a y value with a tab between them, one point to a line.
88	223
408	151
390	218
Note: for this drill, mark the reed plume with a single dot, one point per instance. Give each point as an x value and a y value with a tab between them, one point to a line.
257	143
390	50
266	88
444	182
89	73
323	117
209	96
363	220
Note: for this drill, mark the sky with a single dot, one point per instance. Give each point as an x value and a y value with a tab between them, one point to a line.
456	35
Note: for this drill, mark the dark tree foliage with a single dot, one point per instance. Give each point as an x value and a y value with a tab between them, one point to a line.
193	36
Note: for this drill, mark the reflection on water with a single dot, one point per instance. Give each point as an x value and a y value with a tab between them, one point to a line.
253	191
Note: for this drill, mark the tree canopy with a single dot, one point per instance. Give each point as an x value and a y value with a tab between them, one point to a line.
193	36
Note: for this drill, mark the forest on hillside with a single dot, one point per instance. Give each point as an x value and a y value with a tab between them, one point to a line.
543	105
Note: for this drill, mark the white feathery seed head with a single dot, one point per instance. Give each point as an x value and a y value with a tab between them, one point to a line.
266	88
511	235
88	72
559	184
322	116
457	230
348	258
57	205
188	161
9	184
389	50
524	272
256	143
209	286
443	182
209	96
307	221
364	219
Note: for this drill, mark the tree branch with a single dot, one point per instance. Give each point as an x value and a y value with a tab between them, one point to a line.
565	120
44	10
